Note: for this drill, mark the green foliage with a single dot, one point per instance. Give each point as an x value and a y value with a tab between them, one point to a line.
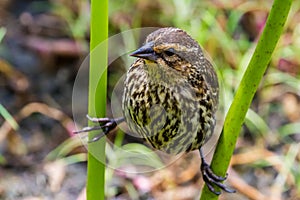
256	123
289	129
2	33
231	54
7	116
64	148
78	21
247	88
134	154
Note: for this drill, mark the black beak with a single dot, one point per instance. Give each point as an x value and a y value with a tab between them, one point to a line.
145	52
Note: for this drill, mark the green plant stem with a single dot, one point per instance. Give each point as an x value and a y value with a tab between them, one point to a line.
97	97
7	116
246	90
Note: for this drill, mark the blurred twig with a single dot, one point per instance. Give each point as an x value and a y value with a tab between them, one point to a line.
16	79
281	179
43	109
244	188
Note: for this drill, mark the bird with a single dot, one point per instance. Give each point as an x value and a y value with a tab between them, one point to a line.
170	98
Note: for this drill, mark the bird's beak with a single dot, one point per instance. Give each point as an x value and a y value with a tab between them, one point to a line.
145	52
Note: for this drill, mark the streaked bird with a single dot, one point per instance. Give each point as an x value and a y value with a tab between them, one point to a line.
170	98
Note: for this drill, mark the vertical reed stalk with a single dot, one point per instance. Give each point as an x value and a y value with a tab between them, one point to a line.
97	97
246	90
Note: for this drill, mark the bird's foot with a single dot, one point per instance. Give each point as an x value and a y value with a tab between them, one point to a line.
210	178
106	125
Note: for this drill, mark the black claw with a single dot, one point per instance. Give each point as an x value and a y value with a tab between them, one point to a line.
97	137
106	125
207	170
88	129
209	185
210	178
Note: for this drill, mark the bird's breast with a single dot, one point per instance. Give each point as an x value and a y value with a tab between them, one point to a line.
164	112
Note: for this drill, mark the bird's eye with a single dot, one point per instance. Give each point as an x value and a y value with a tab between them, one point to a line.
170	52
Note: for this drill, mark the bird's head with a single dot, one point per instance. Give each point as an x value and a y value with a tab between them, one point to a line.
170	47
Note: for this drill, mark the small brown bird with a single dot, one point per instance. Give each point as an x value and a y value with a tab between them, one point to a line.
170	97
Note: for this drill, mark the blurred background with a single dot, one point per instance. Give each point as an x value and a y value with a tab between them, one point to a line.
42	45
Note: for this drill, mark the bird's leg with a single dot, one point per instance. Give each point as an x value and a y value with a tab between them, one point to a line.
210	178
106	125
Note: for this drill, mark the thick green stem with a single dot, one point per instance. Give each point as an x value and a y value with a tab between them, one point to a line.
246	90
97	97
